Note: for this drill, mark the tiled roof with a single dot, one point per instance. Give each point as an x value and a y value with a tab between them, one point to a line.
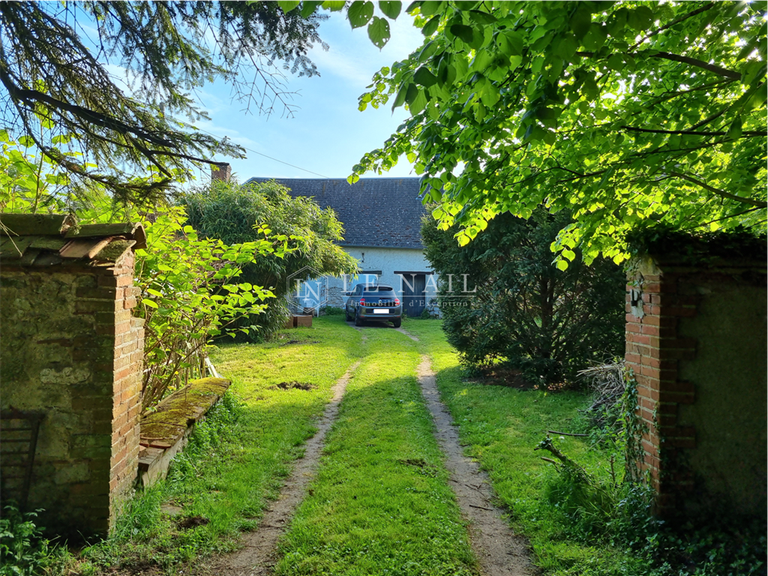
376	212
50	239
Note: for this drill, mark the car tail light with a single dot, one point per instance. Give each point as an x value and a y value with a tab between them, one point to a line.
362	301
397	301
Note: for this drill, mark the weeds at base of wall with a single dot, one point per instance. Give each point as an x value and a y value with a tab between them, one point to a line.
23	549
620	513
144	535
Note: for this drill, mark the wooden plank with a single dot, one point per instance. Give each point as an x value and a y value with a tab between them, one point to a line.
14	248
48	243
35	224
79	248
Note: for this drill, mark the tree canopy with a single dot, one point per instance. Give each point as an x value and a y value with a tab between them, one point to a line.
625	113
57	93
236	214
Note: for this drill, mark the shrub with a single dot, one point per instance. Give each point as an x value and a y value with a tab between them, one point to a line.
233	213
191	291
524	311
332	311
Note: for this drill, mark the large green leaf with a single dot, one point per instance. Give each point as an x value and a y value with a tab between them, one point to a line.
391	9
419	102
400	97
308	8
482	18
431	26
580	22
515	41
288	5
431	8
360	13
411	93
334	5
424	77
378	31
466	33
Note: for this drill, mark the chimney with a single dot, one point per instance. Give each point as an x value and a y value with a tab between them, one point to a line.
221	172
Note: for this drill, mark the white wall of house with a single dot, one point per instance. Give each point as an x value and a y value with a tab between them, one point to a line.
383	264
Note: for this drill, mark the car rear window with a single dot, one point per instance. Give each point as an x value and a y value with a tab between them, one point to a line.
379	292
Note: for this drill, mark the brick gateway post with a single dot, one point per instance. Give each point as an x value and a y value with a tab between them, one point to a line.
71	353
696	340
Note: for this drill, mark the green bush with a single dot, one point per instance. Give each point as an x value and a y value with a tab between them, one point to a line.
234	213
526	312
191	291
332	311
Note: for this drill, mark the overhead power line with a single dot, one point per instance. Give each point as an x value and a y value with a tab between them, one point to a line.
287	164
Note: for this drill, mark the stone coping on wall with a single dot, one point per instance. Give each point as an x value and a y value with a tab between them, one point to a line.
166	429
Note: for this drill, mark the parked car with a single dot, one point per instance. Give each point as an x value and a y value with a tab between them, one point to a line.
368	302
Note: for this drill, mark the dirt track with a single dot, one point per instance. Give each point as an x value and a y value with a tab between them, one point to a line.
499	551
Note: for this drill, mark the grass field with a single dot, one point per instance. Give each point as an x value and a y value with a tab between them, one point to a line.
380	503
232	469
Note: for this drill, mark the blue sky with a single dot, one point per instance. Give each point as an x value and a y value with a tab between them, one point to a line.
327	134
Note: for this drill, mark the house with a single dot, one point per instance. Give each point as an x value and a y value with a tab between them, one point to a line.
382	223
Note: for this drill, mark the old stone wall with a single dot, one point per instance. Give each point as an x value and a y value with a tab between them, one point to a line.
72	350
696	340
728	461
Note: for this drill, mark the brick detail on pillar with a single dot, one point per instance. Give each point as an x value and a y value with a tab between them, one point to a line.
653	351
113	349
127	370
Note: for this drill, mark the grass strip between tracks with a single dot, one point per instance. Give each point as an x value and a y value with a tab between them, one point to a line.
381	503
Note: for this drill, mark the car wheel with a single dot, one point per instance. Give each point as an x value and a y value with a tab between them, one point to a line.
347	317
396	323
358	320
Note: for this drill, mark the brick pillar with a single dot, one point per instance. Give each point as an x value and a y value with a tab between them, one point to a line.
114	400
654	350
128	371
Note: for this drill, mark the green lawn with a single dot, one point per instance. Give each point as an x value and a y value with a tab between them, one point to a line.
229	481
381	503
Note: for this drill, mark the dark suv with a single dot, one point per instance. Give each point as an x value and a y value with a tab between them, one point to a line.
367	302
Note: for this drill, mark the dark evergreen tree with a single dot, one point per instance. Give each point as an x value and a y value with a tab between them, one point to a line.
518	307
56	90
